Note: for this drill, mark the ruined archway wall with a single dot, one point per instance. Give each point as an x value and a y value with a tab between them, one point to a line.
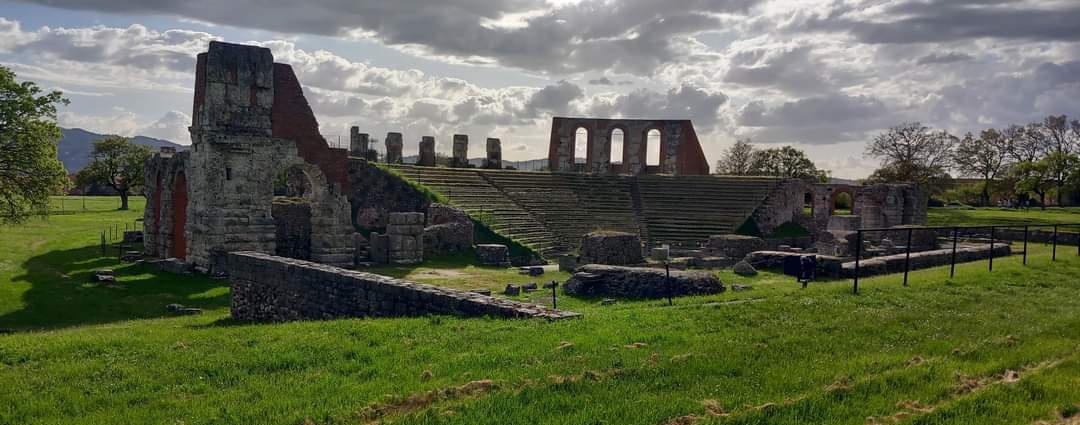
158	187
680	150
292	119
242	101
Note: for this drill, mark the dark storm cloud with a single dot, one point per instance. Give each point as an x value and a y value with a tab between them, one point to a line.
944	21
631	36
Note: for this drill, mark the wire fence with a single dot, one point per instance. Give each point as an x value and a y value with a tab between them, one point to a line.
964	244
63	205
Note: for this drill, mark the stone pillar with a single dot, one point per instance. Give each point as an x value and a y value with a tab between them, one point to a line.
494	154
461	151
427	152
393	148
358	142
406	238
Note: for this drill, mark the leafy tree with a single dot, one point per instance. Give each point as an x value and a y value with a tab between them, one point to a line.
911	152
117	163
737	160
985	157
786	162
29	169
1039	177
1061	146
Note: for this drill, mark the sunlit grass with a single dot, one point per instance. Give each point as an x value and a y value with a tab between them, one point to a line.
938	351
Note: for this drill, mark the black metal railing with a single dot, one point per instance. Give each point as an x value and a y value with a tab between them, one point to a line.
1051	238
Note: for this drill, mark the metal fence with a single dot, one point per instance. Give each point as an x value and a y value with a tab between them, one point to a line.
1055	236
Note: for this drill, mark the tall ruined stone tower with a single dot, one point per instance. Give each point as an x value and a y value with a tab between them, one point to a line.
250	125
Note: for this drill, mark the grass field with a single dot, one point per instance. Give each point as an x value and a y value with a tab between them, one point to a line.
987	348
1003	216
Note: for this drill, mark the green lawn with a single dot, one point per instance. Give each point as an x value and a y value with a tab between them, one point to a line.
987	348
1004	216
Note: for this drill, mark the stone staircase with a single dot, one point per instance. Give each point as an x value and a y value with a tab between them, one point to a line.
551	211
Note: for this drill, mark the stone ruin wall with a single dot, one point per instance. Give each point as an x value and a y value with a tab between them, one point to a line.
266	288
250	122
680	150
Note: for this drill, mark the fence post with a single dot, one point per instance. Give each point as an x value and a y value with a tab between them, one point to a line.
1054	255
992	235
907	255
1025	244
955	242
667	281
858	255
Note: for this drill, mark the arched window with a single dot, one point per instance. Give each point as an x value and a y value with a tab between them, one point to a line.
581	145
652	144
616	146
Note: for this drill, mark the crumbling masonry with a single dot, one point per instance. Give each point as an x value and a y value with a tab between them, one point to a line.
250	125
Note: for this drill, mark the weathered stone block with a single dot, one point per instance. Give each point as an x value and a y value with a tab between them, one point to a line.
493	255
734	246
613	248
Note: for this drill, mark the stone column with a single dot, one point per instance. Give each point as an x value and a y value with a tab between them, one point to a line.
427	152
494	154
461	151
393	148
406	232
358	142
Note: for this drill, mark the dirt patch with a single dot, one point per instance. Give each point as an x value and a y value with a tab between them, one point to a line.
439	274
372	414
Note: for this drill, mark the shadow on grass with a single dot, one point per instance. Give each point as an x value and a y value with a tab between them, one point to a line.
62	295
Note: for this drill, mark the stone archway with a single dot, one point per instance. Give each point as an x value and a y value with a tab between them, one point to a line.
179	221
309	208
836	197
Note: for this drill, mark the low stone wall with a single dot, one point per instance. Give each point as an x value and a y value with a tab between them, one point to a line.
1034	236
826	265
733	246
613	248
925	259
639	282
266	288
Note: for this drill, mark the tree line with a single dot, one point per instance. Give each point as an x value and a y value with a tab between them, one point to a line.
1040	159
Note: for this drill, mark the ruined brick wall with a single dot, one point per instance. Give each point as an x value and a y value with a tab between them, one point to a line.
161	175
680	150
293	119
267	288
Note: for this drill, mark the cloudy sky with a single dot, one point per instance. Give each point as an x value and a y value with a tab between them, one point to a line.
822	75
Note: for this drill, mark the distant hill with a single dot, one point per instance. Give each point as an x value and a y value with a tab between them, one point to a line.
77	144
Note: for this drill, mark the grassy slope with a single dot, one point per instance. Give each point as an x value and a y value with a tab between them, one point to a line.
112	355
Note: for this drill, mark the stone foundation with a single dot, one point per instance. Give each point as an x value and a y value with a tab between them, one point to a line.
639	282
733	246
265	288
612	248
923	260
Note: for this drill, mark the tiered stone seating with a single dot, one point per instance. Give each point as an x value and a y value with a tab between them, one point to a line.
469	190
552	211
570	205
686	210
